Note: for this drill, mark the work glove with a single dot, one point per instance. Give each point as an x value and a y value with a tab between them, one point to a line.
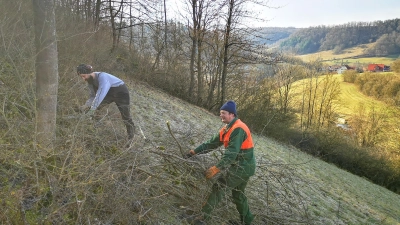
211	172
84	108
190	154
90	114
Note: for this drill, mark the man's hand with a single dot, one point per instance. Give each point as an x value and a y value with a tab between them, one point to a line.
210	173
84	108
90	113
190	154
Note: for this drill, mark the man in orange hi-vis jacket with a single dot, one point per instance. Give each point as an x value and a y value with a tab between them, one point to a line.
238	159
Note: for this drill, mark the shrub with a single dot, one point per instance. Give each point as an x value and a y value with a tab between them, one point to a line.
395	67
349	76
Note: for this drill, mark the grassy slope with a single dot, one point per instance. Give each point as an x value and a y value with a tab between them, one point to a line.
328	55
328	195
351	99
336	196
346	56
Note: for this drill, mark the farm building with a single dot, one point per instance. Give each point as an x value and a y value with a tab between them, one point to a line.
343	68
333	69
378	68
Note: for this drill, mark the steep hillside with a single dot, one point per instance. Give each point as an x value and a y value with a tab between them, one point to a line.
290	187
91	178
340	37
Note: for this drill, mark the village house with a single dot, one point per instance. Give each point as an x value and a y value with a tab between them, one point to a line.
333	69
378	68
343	68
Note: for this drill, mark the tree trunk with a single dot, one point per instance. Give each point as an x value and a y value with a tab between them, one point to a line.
97	14
226	46
166	37
193	36
112	21
46	72
200	78
130	28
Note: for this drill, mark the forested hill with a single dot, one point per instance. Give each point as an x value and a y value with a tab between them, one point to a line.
386	34
273	35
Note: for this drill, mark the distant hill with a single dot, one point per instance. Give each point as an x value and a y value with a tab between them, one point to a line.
273	35
386	34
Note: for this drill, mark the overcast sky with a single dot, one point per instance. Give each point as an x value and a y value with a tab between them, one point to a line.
306	13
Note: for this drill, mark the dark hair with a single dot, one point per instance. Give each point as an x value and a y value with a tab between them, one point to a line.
84	69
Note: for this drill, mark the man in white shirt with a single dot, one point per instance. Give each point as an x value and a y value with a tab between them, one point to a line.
105	89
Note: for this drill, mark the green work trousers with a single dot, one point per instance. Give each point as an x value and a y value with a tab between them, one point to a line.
235	184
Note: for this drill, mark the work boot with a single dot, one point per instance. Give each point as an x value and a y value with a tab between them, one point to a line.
193	219
196	221
233	222
129	143
130	129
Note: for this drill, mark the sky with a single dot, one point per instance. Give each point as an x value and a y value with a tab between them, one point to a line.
306	13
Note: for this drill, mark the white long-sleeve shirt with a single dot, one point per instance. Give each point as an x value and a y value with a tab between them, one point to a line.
102	82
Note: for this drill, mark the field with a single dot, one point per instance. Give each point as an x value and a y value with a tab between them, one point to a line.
349	56
329	55
351	99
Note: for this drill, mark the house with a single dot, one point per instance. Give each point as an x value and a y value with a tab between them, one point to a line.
333	68
343	68
378	68
386	68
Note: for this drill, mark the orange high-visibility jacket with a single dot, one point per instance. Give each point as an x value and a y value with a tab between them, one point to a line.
225	134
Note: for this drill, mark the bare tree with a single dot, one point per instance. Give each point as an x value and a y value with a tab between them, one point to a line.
309	97
367	126
237	46
193	36
97	13
113	15
318	95
228	29
46	71
285	76
202	15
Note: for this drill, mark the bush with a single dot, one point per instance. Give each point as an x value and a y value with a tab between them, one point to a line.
349	76
395	67
334	146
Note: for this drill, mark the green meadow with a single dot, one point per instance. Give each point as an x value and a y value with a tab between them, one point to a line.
349	56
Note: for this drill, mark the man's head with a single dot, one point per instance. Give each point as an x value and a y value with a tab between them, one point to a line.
228	112
85	71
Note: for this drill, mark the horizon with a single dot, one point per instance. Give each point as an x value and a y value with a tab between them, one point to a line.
312	13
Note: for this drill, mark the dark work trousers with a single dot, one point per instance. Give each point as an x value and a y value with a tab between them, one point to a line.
236	184
120	95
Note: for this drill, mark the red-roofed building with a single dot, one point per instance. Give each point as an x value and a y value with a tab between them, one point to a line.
378	68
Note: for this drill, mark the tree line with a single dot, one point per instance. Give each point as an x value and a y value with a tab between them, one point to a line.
309	40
